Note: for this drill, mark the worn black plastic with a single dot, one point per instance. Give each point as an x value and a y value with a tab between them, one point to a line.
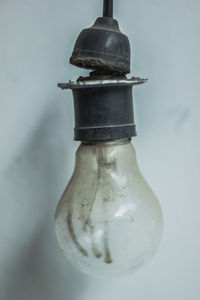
103	47
103	113
103	102
103	107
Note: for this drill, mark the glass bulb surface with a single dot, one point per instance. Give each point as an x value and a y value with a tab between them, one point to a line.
108	222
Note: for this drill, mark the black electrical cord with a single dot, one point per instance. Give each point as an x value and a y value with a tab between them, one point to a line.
108	8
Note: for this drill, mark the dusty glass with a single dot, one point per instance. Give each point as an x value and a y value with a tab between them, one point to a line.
108	222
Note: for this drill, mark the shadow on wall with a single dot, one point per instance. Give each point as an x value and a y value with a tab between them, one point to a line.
38	271
38	274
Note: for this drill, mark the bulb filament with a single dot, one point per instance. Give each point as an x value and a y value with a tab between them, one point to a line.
104	167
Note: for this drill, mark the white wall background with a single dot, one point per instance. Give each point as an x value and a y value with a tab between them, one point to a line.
37	148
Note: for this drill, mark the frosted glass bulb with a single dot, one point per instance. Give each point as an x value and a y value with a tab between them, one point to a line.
108	222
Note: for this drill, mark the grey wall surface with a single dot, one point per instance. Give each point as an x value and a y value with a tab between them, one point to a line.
37	148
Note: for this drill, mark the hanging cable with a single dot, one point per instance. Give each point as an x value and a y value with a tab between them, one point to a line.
108	8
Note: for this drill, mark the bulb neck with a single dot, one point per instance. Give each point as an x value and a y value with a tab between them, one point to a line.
103	107
108	143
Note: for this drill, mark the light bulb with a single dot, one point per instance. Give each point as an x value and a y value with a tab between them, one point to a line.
108	222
